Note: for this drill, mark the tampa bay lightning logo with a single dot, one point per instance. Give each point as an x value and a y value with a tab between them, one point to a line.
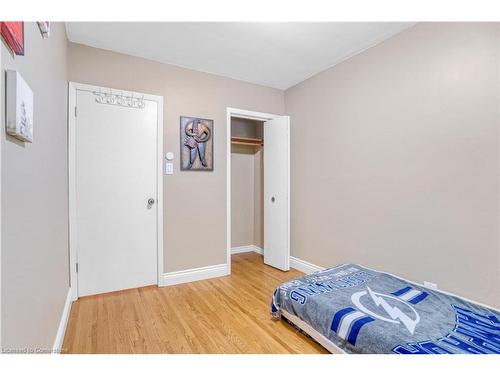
389	308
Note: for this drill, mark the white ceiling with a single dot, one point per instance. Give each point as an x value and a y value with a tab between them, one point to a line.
278	55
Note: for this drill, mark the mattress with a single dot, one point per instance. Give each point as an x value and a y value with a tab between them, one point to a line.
353	309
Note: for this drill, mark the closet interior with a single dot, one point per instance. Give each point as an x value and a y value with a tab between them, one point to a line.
247	185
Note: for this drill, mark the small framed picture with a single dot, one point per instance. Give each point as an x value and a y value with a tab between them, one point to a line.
44	27
19	108
197	144
13	34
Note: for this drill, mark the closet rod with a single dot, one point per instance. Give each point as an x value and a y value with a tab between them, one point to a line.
247	141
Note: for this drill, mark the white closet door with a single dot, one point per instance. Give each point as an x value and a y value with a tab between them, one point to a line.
115	178
276	193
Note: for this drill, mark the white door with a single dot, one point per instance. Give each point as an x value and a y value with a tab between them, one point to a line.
115	161
276	193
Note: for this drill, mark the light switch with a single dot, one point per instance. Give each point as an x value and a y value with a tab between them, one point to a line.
169	168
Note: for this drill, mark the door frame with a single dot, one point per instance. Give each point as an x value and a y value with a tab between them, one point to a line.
250	115
73	87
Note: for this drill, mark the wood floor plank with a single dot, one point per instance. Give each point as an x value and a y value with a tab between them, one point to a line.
222	315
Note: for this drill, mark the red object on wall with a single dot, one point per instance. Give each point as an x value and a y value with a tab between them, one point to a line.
13	34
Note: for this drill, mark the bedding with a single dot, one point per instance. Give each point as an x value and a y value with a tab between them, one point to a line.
365	311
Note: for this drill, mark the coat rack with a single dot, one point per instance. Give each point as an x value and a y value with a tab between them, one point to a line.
119	99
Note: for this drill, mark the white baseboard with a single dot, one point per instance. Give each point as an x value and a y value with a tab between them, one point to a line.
304	266
194	274
247	249
296	263
219	270
63	323
258	250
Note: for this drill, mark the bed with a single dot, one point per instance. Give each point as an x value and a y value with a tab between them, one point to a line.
353	309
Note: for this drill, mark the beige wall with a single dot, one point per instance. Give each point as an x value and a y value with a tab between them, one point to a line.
246	128
242	196
194	202
395	159
1	124
35	198
247	190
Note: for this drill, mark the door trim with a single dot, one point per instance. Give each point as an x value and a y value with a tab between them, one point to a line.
251	115
73	87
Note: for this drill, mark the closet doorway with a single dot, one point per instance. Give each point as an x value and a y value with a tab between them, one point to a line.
258	186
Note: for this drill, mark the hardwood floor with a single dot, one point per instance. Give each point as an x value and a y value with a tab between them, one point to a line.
223	315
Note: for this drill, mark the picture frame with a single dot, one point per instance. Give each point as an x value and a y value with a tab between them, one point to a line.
196	144
19	107
13	35
44	27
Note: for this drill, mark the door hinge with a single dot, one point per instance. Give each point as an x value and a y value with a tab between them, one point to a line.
75	111
77	267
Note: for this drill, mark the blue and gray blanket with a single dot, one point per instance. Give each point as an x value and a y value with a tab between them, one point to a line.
365	311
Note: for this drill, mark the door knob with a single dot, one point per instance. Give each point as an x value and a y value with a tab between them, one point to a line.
273	199
151	201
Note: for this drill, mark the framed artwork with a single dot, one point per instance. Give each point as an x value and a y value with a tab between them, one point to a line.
19	108
44	27
13	34
197	144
